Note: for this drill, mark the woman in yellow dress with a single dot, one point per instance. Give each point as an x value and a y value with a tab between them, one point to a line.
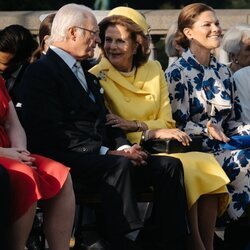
136	93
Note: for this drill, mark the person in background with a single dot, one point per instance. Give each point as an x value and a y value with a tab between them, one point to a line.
204	100
43	36
172	49
33	178
236	43
242	82
136	94
16	47
63	107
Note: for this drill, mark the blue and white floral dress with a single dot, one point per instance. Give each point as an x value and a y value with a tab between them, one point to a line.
199	94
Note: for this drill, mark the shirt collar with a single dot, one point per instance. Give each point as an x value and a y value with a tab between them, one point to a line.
190	58
66	57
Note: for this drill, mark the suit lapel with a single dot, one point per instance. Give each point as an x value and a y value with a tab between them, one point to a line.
95	88
76	92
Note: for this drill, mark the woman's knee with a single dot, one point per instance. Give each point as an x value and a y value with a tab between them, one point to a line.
67	189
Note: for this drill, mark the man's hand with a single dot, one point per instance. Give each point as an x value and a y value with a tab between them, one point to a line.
216	132
134	153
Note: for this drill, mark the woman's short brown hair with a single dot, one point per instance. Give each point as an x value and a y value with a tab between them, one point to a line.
136	33
187	17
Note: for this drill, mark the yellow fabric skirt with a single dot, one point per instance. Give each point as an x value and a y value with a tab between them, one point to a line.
204	175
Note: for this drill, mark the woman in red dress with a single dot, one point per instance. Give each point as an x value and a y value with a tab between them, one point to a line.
33	178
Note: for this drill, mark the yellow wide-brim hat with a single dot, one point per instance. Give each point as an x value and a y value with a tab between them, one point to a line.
132	14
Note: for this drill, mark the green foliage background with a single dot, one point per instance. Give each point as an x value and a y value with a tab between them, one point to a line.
13	5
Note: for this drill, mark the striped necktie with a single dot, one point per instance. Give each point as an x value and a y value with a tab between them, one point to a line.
78	71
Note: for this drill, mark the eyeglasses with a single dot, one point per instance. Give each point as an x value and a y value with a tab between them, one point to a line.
94	32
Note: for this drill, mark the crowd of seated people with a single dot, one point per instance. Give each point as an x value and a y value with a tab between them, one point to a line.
87	123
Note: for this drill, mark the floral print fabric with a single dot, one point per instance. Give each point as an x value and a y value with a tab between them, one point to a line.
199	94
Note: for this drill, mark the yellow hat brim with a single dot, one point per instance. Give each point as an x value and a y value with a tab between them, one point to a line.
132	14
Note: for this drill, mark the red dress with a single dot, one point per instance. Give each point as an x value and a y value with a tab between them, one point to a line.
28	185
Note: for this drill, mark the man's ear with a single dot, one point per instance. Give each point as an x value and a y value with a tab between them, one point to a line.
188	33
72	33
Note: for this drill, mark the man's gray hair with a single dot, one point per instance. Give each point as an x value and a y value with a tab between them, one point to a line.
69	15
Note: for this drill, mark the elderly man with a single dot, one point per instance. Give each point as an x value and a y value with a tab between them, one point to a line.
65	118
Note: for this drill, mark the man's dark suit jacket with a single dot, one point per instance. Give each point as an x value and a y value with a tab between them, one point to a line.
59	114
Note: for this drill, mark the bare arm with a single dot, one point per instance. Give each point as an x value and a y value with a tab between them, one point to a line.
16	134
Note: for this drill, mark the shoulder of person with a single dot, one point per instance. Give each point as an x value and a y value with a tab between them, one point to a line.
242	72
95	69
152	65
175	66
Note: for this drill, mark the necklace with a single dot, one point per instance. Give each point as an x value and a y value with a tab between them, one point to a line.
130	73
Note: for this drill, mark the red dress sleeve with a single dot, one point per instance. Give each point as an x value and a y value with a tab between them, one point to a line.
4	109
4	90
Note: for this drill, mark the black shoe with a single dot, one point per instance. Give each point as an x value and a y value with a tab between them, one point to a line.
89	240
148	240
218	243
132	245
236	234
99	245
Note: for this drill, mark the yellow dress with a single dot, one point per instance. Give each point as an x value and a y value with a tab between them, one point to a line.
143	96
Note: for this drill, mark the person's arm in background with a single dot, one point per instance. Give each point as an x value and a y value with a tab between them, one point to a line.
235	124
242	82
